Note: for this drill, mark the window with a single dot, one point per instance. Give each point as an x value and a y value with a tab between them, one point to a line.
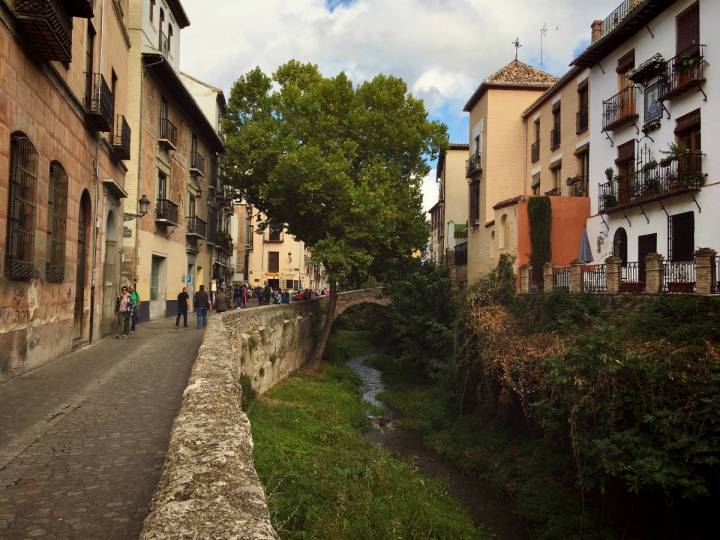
274	262
162	185
164	109
169	38
626	170
580	186
57	219
113	87
474	202
162	39
557	180
191	205
535	147
503	232
289	284
535	184
583	107
687	27
555	132
89	63
681	237
274	234
620	248
157	265
687	131
477	145
21	208
152	10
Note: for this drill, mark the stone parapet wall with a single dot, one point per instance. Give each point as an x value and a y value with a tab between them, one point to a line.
209	487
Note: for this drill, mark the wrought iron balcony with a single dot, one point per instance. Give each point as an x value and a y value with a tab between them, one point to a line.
616	17
196	227
99	103
474	165
48	27
168	134
554	138
197	164
213	234
166	212
681	174
535	151
683	72
578	186
619	109
121	138
581	120
84	9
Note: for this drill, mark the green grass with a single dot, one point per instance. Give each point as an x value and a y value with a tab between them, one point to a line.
534	476
325	481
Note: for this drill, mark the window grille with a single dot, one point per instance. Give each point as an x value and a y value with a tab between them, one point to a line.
21	209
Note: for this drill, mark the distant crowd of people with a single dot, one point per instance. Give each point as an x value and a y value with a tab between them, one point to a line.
221	298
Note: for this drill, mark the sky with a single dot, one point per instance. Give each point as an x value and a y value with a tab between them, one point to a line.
443	49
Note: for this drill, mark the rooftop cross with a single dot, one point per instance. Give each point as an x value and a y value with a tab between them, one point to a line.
517	46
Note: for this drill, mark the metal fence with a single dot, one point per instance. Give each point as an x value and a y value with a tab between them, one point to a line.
678	277
633	278
537	283
594	279
562	278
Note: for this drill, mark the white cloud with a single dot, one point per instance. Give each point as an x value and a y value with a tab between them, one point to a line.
442	48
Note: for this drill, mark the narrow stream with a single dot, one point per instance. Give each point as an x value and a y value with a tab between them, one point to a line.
482	502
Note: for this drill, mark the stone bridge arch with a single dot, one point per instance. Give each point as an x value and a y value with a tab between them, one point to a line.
348	299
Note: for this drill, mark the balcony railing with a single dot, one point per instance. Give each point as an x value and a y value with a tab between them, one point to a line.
633	277
168	134
581	120
473	165
594	279
197	164
578	186
680	175
99	104
615	18
683	72
196	227
48	27
619	109
213	235
678	277
554	138
121	138
166	212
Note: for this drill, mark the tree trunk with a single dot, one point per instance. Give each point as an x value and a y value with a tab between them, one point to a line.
317	355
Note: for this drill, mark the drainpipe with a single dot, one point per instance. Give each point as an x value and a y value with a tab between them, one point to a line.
96	182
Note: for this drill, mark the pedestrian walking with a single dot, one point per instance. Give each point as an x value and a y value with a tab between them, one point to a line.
267	294
244	296
183	302
123	310
237	296
135	297
201	303
220	301
286	297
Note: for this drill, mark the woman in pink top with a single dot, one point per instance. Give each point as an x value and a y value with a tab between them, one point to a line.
123	310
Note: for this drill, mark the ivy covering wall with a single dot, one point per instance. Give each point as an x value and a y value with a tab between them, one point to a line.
540	217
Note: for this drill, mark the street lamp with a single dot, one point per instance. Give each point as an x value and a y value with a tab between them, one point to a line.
143	206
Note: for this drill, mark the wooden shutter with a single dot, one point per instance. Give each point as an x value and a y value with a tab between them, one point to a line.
688	30
626	152
273	261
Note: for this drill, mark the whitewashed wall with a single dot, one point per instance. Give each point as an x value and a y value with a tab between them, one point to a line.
603	155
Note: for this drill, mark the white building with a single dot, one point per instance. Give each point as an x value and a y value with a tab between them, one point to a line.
653	66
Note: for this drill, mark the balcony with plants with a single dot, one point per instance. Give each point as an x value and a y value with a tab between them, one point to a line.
680	171
683	72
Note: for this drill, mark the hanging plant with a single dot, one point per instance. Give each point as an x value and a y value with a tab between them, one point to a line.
540	217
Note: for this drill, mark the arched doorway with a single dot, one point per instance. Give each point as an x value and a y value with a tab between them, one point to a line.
620	245
83	239
110	273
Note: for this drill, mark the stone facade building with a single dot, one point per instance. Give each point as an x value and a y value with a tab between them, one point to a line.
174	164
64	140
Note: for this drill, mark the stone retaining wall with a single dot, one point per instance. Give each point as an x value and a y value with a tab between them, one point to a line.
209	487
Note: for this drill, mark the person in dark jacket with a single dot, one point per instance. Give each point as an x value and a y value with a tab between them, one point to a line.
220	301
267	295
201	303
183	300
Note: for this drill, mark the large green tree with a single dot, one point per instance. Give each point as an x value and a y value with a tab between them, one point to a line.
339	165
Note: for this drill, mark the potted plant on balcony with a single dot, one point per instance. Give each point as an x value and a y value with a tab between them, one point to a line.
609	200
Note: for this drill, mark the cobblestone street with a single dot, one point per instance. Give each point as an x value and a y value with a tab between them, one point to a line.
83	439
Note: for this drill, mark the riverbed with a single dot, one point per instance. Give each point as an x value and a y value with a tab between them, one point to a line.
482	502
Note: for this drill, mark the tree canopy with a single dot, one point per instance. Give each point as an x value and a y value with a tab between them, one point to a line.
339	165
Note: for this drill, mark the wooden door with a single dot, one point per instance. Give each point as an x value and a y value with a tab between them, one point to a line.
646	244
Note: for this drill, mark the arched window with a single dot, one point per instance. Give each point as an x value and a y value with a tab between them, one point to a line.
19	259
170	36
57	220
620	245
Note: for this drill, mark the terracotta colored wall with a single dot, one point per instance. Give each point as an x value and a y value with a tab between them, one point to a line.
568	220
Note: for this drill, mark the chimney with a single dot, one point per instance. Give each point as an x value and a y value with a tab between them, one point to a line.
596	30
